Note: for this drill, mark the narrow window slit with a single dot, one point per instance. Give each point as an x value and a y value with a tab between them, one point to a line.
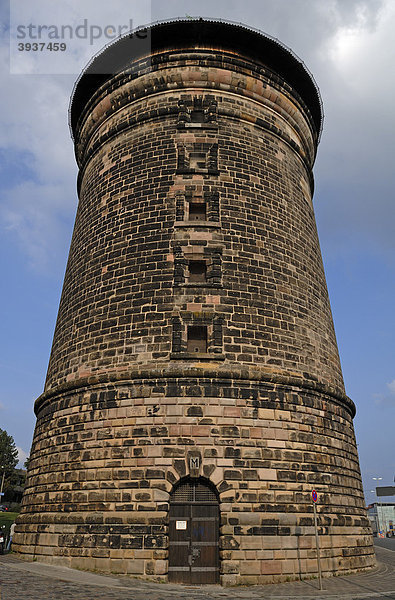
197	211
197	271
197	338
197	116
197	160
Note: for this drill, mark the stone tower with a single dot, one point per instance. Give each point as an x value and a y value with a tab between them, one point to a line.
194	396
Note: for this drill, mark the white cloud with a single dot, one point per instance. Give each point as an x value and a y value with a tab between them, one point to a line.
32	215
84	28
387	399
347	46
22	456
391	387
355	175
38	189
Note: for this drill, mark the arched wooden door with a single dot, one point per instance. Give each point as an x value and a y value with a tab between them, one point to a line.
194	533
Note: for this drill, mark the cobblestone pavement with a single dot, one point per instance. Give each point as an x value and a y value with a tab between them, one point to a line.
35	581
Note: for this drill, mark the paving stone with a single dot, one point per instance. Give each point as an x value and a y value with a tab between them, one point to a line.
19	579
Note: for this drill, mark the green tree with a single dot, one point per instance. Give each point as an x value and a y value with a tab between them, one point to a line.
8	454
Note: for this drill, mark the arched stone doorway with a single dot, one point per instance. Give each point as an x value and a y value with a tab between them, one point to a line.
194	533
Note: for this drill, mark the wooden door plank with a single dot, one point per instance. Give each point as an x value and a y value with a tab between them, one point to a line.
194	550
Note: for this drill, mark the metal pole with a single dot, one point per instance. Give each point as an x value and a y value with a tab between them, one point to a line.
2	484
384	525
377	498
317	543
375	514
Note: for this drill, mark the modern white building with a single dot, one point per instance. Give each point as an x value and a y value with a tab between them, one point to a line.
382	517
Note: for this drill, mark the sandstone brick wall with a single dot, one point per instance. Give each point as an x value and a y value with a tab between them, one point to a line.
106	457
120	291
126	402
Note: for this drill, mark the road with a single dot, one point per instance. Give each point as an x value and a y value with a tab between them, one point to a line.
388	543
20	580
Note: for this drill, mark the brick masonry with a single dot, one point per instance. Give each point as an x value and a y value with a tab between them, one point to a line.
126	403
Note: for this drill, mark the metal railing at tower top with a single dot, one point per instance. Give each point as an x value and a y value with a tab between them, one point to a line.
208	20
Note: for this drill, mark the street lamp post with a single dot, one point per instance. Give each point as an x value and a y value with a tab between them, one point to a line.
2	482
378	517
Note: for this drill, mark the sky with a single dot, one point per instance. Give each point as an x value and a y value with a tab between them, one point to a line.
348	46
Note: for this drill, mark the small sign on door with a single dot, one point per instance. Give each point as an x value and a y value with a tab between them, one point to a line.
181	524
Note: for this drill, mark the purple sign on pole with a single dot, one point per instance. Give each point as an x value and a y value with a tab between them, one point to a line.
314	496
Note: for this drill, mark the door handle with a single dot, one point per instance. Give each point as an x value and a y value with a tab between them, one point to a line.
195	553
